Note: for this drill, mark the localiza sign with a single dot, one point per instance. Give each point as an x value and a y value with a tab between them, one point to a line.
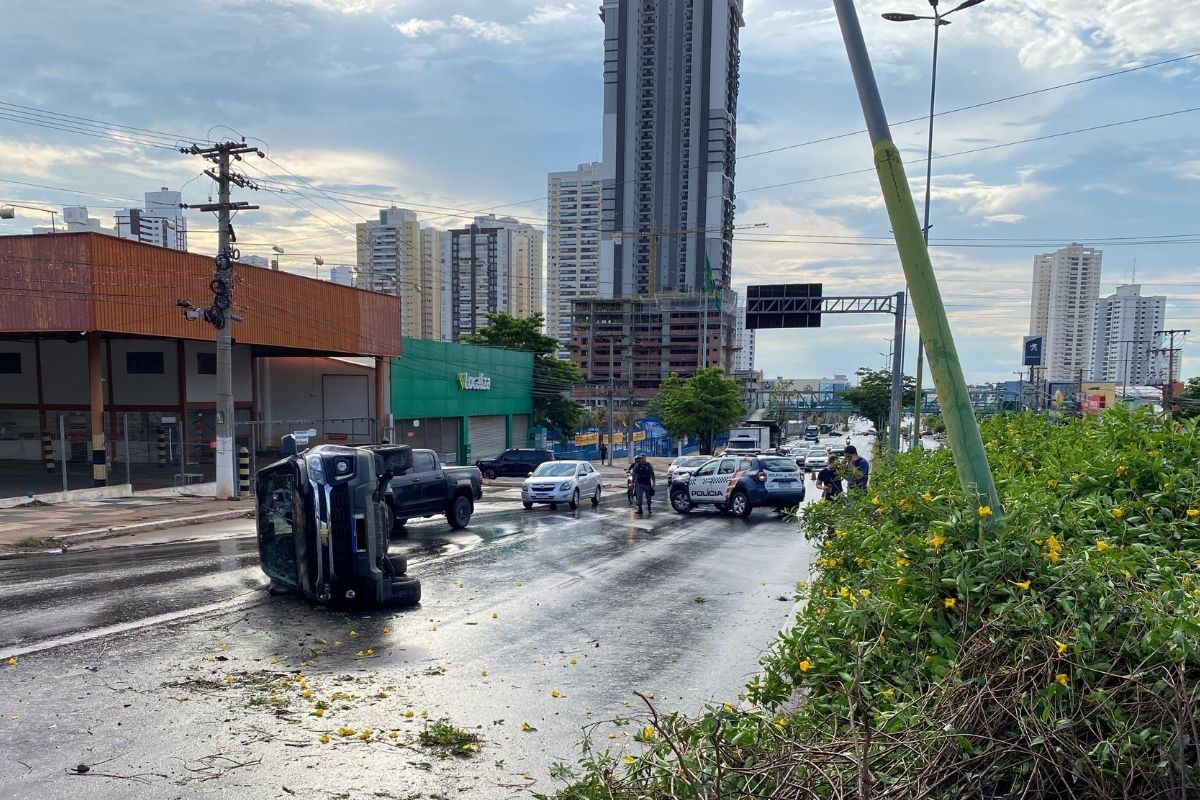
474	383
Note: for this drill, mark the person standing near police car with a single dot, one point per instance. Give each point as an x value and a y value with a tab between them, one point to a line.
643	483
828	480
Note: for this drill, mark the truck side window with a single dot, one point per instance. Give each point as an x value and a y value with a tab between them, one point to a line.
423	462
727	467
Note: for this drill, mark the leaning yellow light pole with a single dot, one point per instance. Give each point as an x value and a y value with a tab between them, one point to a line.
962	431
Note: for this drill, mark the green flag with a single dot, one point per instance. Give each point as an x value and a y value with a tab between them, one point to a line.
710	287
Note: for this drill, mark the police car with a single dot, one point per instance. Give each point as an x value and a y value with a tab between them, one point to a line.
738	484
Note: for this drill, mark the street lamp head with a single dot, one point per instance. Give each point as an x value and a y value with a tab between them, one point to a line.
895	17
276	248
964	4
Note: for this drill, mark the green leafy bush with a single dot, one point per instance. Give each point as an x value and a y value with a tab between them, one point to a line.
943	654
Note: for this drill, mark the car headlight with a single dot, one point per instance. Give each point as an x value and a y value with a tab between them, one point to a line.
316	468
565	485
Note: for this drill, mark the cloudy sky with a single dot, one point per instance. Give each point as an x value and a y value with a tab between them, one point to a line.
457	106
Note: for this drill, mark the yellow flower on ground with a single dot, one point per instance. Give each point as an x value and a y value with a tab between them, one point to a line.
1152	453
805	665
307	695
901	563
344	731
12	661
572	662
393	734
354	633
780	722
860	561
950	602
365	736
937	541
460	584
841	534
985	511
1121	470
1022	585
556	693
360	654
1101	544
483	673
1062	646
410	713
1075	478
629	759
865	592
386	630
526	727
1052	483
495	615
1053	556
424	712
1061	679
888	693
274	661
875	500
1192	513
318	712
324	738
844	591
927	497
382	695
1118	512
1028	464
648	732
728	709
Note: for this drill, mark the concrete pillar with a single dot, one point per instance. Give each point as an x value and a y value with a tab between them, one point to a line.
96	400
508	433
383	398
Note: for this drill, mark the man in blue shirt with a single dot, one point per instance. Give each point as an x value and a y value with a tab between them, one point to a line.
859	469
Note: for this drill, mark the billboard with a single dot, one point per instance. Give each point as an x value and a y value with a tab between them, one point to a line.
783	305
1098	396
1033	351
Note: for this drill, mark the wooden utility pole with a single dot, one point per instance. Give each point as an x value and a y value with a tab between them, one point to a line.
1169	391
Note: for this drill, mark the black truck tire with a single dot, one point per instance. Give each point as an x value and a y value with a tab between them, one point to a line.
399	565
596	498
488	473
458	514
680	502
406	591
574	503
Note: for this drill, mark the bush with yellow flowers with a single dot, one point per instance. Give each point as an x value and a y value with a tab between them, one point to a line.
948	650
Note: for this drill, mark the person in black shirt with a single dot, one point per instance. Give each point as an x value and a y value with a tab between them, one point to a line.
828	480
643	483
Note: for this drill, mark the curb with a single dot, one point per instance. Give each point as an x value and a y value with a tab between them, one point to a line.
66	540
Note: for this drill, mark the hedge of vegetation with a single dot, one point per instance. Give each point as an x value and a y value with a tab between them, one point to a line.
1055	656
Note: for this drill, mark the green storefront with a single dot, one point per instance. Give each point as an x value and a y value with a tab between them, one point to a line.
464	401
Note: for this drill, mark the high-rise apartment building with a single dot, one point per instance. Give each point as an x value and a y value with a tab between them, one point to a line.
160	223
1066	284
670	133
494	264
342	275
393	259
743	354
670	113
572	246
1125	347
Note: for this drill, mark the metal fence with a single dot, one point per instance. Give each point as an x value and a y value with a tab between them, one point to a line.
149	450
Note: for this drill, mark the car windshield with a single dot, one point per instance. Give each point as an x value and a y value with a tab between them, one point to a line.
555	469
778	465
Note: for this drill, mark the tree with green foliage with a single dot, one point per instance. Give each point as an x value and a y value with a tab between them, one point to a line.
1188	400
873	394
552	377
700	406
780	400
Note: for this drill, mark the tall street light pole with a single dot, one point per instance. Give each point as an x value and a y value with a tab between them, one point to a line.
939	20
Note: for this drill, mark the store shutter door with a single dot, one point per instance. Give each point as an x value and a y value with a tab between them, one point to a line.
448	445
520	430
488	438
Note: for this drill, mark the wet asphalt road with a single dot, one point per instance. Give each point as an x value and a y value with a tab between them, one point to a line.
170	671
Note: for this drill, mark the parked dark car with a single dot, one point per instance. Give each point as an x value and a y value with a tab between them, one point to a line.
427	489
518	463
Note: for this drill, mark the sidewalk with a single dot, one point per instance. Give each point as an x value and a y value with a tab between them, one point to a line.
40	528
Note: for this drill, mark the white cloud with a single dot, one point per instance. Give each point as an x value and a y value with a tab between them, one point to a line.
1005	218
414	27
487	31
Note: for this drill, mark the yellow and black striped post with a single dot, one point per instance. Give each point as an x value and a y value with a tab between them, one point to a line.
243	472
48	452
162	446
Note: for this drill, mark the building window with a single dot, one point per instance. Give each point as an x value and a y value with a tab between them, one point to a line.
206	363
144	363
10	363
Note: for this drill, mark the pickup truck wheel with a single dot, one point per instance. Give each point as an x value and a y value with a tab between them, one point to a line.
739	504
399	565
527	505
596	498
680	502
459	512
574	502
489	473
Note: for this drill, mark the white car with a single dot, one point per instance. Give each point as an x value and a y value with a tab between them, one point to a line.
817	459
557	482
684	465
